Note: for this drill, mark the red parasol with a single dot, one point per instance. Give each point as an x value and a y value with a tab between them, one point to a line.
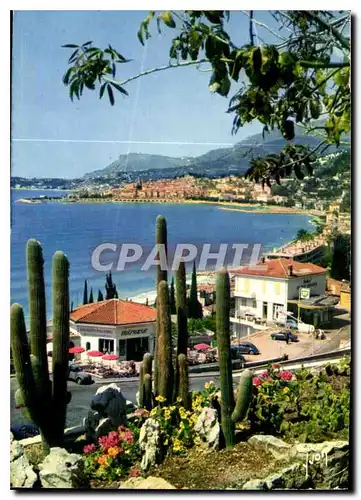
76	350
95	354
200	347
110	357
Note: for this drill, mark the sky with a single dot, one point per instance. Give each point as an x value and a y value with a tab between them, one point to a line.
171	113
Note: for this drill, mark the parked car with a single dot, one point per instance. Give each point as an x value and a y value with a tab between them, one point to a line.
24	431
236	353
287	336
248	348
77	375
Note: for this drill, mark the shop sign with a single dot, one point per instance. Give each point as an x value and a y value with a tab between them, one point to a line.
134	332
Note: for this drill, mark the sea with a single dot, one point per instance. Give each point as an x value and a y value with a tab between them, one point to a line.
78	229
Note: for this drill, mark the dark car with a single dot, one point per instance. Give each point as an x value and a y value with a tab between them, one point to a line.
78	375
248	348
287	336
236	353
24	431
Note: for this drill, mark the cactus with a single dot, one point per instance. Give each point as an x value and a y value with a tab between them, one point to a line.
162	275
147	392
181	308
231	412
145	397
164	344
183	389
44	402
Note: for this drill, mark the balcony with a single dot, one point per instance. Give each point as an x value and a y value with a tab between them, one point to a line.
244	293
247	319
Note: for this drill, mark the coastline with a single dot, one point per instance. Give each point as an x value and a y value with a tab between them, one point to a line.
223	205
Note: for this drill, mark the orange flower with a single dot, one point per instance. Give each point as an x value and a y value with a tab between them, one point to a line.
114	451
103	460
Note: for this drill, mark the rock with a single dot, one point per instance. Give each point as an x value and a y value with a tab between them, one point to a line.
22	474
61	469
149	483
16	450
278	448
255	484
208	429
108	411
11	437
150	442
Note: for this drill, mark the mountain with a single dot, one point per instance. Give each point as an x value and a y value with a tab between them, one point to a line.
217	162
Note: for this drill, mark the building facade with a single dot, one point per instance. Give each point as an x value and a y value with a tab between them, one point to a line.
266	292
115	326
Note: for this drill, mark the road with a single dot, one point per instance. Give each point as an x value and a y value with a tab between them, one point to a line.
81	395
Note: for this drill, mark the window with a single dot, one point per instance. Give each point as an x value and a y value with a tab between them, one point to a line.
122	347
87	346
106	345
254	303
243	302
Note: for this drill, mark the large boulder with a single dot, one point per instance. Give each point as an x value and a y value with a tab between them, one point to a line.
278	448
151	443
62	469
108	410
255	484
149	483
207	428
22	474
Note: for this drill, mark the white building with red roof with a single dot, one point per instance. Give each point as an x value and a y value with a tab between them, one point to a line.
115	326
264	294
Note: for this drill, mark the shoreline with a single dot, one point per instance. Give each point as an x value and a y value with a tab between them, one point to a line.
224	205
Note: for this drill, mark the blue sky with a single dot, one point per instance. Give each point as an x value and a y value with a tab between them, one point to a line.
170	106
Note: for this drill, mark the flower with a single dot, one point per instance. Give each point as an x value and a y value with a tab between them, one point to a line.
106	442
103	460
126	437
177	445
285	389
257	381
263	375
286	375
209	385
275	366
167	414
114	451
90	448
161	399
141	412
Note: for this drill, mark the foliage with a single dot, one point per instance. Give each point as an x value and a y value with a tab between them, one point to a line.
113	456
303	407
110	287
100	296
85	293
91	298
172	298
303	235
288	81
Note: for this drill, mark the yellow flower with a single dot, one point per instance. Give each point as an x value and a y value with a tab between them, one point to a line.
179	399
113	452
153	412
161	399
209	385
166	414
285	389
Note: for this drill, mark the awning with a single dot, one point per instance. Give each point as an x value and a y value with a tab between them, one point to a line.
319	302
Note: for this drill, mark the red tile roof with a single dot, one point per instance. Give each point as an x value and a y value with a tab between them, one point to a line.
114	312
278	268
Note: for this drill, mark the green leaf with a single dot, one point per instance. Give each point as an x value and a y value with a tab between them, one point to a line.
102	88
70	46
110	94
167	18
67	76
118	87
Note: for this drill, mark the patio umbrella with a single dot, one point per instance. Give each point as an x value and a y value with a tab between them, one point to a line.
110	357
76	350
200	347
95	354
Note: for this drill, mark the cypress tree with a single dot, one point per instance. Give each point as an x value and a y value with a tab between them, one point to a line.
195	307
110	287
85	293
91	298
172	298
100	296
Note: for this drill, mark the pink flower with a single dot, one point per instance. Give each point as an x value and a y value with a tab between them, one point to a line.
126	437
263	375
90	448
275	366
109	441
287	375
257	381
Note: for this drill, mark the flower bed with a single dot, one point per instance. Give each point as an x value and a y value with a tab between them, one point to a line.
120	370
201	357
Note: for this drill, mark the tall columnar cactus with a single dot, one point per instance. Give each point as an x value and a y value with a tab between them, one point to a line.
44	402
145	390
183	386
230	412
181	308
164	344
162	275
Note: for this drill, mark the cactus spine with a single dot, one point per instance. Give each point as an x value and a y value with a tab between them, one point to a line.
231	412
162	275
45	404
164	344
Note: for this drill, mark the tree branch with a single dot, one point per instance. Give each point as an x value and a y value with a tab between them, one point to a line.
251	35
155	70
274	33
321	65
325	25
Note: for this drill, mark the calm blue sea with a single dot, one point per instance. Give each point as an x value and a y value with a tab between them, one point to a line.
78	229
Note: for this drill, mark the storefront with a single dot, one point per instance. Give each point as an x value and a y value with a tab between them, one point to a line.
117	327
